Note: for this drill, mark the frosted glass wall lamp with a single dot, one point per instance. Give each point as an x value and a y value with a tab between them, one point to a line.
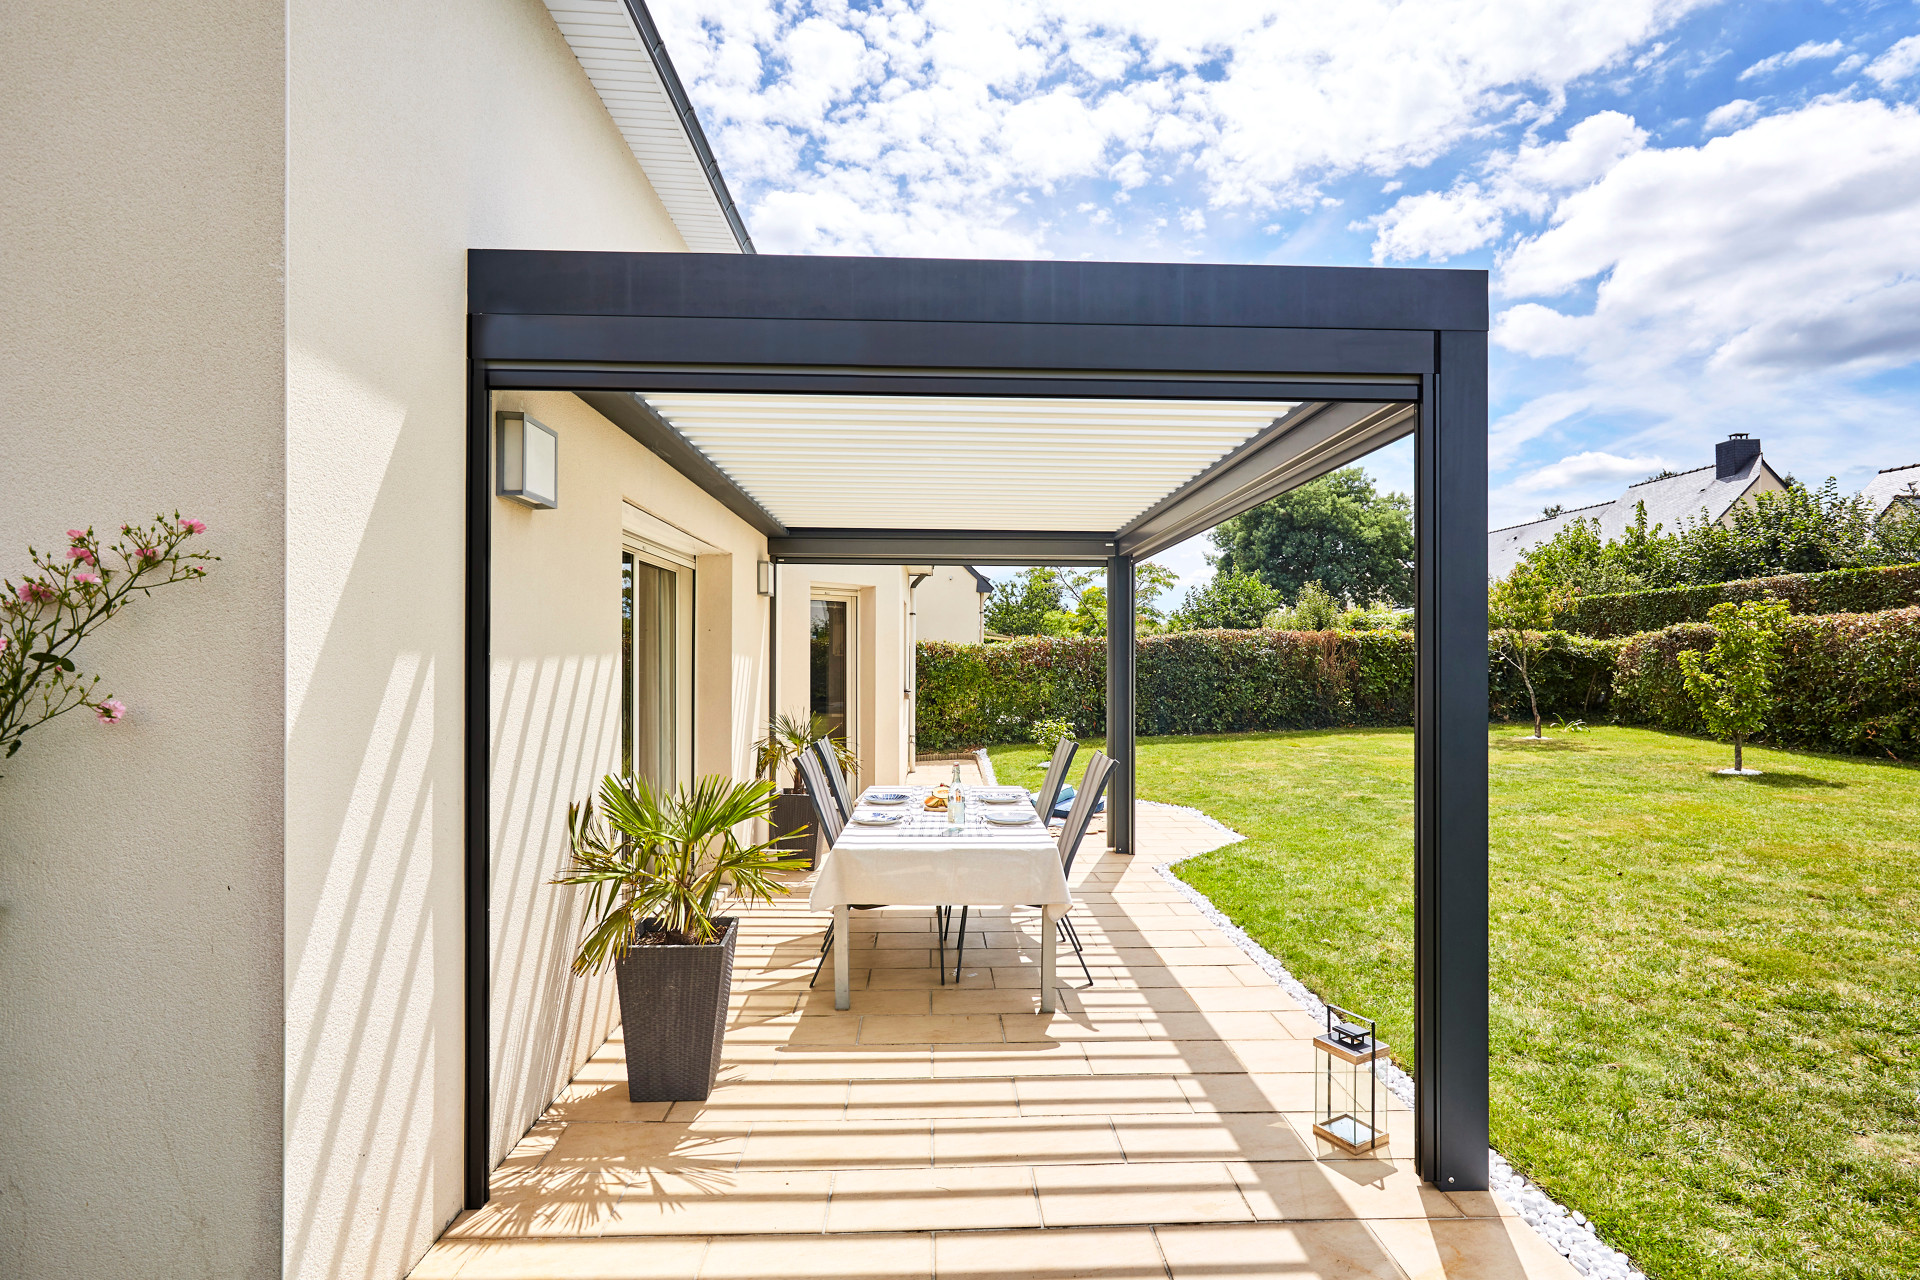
529	454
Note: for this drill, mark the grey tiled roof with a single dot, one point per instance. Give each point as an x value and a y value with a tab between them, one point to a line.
1893	484
1671	502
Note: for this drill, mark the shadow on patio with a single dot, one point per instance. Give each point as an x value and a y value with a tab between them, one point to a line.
1157	1126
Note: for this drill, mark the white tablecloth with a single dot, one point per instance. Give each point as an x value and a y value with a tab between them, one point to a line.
922	862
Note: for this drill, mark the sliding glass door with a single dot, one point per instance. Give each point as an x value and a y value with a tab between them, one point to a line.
650	711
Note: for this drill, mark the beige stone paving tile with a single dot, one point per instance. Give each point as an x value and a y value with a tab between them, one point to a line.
620	1152
993	1000
1064	1026
1032	1058
1085	1139
1472	1249
1250	1091
992	957
1100	1095
1370	1189
1158	1057
897	979
1279	1053
602	1102
866	1062
1232	1136
956	1028
768	1100
921	941
827	1257
446	1257
742	1203
1161	938
1276	1251
1471	1204
1137	1003
1016	977
1194	977
1243	999
1400	1137
1300	1023
667	1258
939	1199
1076	1253
906	1001
839	1144
1177	956
1153	1192
931	1099
913	920
536	1212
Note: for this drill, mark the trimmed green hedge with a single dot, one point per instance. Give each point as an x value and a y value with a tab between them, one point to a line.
1838	591
1847	682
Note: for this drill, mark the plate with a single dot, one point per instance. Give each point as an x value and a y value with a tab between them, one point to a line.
886	797
1004	797
878	819
1008	817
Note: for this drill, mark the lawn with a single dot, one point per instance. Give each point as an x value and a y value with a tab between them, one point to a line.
1706	990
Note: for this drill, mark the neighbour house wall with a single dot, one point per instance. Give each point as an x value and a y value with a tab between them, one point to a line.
948	606
416	131
142	170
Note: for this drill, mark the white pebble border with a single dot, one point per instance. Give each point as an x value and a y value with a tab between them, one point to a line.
1569	1232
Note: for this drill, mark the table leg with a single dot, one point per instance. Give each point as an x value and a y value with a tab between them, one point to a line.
1049	939
842	983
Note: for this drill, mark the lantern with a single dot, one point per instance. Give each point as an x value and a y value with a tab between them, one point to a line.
1349	1098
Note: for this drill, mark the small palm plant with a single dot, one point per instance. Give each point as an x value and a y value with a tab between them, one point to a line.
789	735
663	869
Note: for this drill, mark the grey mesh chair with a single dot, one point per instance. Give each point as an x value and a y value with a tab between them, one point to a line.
1049	793
1079	818
837	784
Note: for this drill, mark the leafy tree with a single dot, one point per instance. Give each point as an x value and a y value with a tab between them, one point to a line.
1314	609
1228	600
1086	592
1335	530
1799	531
1732	683
1518	609
1019	606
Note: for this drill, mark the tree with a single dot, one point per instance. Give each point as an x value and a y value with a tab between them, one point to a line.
1732	683
1238	601
1518	608
1335	530
1019	606
1081	608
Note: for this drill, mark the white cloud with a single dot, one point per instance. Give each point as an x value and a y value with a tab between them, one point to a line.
913	126
1589	470
1897	63
1193	220
1731	115
1801	53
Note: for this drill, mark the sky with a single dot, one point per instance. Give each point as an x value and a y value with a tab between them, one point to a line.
1698	217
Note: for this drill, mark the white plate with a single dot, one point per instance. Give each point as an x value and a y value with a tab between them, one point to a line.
1004	797
1007	817
886	797
878	819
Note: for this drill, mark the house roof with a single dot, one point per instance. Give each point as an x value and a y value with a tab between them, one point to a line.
620	49
1670	502
981	582
1891	485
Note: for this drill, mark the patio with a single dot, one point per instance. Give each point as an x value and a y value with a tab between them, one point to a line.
1157	1126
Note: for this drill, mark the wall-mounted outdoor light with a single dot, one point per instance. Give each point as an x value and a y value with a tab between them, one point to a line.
1349	1097
529	454
765	583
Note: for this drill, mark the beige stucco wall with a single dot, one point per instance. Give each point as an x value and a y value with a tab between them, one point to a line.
882	714
141	339
1764	481
416	131
556	715
947	605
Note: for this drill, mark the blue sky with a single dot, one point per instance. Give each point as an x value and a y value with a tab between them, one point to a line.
1699	217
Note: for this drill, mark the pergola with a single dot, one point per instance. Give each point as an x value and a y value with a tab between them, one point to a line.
917	411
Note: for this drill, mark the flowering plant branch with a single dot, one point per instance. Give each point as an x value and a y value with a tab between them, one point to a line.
45	615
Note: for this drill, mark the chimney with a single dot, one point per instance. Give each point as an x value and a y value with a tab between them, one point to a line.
1731	456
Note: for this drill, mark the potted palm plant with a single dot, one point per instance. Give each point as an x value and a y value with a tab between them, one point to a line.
788	736
661	870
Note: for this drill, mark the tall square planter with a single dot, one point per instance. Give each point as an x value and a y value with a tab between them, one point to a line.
792	810
673	1015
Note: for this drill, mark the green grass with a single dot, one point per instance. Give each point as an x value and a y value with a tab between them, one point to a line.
1706	993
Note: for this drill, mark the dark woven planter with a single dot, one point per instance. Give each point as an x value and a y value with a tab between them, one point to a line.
792	810
673	1013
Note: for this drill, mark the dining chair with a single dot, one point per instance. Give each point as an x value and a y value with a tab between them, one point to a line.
1049	793
1085	802
837	783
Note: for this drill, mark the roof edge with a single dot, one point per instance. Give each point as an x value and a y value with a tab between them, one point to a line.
689	120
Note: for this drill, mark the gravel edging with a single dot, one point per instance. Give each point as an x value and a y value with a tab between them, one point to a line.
1568	1232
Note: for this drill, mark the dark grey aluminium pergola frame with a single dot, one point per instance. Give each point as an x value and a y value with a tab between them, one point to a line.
1370	354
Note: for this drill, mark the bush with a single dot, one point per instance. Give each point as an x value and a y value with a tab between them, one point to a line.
1838	591
1846	682
1051	733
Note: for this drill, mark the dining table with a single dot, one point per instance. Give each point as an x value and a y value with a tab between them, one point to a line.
894	851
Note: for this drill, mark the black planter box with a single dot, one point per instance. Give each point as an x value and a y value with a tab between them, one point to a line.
673	1013
791	811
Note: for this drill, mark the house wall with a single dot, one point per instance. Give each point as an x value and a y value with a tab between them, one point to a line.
948	606
142	170
882	669
556	716
1764	481
415	131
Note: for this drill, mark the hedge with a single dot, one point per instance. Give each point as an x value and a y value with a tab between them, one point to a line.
1837	591
1221	682
1847	682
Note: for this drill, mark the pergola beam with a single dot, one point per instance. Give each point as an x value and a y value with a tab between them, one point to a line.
938	546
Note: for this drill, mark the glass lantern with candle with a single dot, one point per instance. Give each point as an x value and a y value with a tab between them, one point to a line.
1349	1098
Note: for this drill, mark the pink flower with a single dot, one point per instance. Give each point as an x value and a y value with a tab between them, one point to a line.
194	526
34	592
148	553
5	640
81	553
110	711
91	579
78	535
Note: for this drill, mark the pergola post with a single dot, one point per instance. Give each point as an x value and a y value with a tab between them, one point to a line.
1120	650
1450	753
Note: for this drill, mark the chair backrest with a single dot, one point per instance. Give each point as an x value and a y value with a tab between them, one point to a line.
1049	793
822	749
1080	816
825	811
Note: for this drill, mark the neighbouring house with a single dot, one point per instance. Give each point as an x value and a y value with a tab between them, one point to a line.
1739	473
1893	489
